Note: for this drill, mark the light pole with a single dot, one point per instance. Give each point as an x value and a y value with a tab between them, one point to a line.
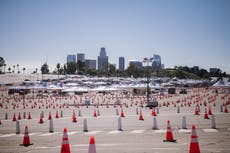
147	61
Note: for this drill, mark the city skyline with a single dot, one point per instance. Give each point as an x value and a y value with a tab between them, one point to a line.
185	33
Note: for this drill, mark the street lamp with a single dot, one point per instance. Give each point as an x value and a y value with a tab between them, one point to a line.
147	61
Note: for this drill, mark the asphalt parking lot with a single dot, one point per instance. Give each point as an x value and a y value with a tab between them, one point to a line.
137	135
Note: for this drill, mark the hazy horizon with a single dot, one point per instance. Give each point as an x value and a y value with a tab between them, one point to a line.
183	33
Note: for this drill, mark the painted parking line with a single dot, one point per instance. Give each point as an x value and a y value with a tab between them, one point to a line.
101	145
210	130
73	132
92	132
137	131
35	133
185	130
160	131
48	134
7	135
114	132
165	148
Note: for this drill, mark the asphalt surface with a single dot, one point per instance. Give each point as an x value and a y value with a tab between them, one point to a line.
137	135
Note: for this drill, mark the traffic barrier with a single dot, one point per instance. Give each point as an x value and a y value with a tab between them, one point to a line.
178	109
51	127
206	114
119	124
117	112
56	116
65	148
184	123
92	146
94	113
194	145
17	127
6	116
169	134
19	116
41	120
225	109
26	139
155	126
50	116
29	116
14	117
141	116
154	112
74	118
122	113
209	110
213	122
85	126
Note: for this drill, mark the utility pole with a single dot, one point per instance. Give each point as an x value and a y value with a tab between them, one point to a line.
147	61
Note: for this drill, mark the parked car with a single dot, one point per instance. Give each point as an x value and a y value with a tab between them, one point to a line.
152	104
183	91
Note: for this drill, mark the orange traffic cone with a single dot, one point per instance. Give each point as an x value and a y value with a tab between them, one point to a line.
14	117
57	116
19	116
92	147
41	120
122	113
225	109
154	112
196	111
194	145
49	118
209	111
65	142
26	139
169	134
206	114
94	114
29	116
141	116
74	118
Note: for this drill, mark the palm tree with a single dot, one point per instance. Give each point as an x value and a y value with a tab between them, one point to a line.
36	71
58	67
14	68
2	62
24	69
9	69
18	68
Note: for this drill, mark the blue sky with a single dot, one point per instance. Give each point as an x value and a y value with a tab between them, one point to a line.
182	32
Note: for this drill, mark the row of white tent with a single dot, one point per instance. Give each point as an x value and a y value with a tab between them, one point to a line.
72	88
222	83
137	84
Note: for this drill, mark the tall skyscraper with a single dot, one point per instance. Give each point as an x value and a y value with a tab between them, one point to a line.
121	63
102	60
91	64
71	58
156	64
81	57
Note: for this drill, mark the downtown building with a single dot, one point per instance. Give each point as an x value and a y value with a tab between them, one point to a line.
71	58
156	63
81	57
91	64
121	63
137	64
102	60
